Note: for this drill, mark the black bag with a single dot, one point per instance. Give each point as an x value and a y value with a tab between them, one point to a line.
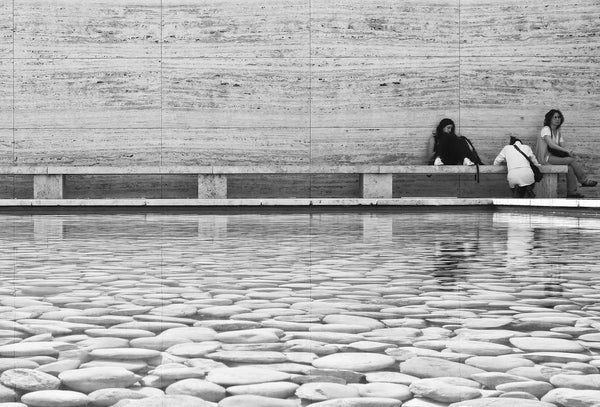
471	152
558	153
537	174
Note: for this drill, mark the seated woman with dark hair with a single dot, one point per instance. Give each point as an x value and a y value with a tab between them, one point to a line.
550	149
447	148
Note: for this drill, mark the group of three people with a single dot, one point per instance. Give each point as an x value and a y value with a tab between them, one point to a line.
450	149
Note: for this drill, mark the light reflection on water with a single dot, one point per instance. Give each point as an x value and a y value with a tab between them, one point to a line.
443	249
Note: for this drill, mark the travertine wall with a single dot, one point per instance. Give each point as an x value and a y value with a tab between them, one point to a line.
143	82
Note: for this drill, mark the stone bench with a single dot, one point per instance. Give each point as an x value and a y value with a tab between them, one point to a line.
375	180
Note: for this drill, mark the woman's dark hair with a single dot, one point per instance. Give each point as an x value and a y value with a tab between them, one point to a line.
439	131
548	117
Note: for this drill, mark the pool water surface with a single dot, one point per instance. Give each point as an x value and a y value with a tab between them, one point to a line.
300	309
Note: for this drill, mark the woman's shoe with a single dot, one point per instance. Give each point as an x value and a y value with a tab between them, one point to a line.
589	183
575	195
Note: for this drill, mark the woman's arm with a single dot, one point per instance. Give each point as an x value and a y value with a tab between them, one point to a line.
552	144
531	155
500	159
430	153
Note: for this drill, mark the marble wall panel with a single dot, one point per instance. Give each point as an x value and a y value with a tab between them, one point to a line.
387	146
235	92
384	28
293	186
134	186
87	93
6	28
88	147
87	29
529	28
16	186
6	93
517	92
6	146
235	28
236	146
389	92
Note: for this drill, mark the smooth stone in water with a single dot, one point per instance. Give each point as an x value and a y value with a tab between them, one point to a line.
535	388
279	390
427	367
368	346
159	343
386	390
359	402
55	368
369	323
356	361
529	344
102	343
498	363
193	350
501	402
248	357
573	397
7	394
110	396
518	395
537	373
55	398
28	380
194	334
166	400
197	388
250	400
119	333
261	335
349	376
124	353
177	371
493	379
15	363
556	357
320	391
233	376
478	348
95	378
439	390
580	382
390	377
27	349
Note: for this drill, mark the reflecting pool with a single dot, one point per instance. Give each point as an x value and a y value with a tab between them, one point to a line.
315	308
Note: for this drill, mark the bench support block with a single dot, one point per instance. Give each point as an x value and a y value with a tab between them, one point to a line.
376	185
547	187
48	186
212	186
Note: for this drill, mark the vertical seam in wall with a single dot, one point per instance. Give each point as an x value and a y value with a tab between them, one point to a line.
13	95
310	176
161	97
459	66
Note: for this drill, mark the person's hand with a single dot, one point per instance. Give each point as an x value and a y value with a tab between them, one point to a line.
572	154
438	161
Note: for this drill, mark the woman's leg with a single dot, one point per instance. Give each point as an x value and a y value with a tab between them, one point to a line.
575	171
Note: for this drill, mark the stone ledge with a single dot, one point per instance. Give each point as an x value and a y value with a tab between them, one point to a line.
306	202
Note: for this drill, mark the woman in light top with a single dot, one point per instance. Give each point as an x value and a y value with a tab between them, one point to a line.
520	176
551	149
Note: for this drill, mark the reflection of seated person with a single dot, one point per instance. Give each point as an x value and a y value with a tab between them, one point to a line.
448	258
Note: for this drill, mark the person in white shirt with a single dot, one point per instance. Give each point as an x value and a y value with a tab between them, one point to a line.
520	176
550	149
